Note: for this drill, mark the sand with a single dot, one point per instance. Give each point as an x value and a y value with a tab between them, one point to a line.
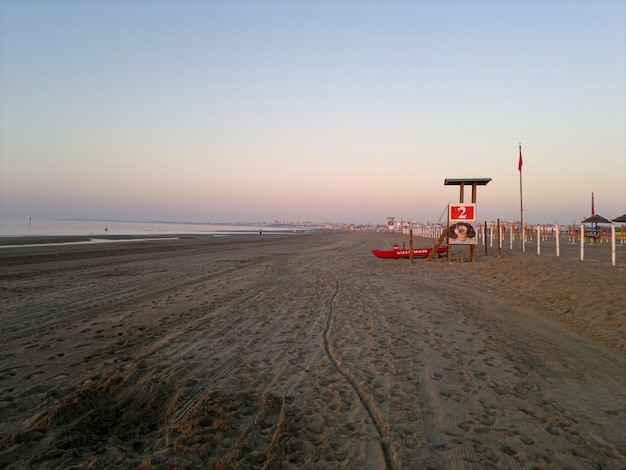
306	351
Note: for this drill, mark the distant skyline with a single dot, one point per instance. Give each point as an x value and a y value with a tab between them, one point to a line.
345	111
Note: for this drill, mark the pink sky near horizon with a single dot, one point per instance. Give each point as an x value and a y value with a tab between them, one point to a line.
343	112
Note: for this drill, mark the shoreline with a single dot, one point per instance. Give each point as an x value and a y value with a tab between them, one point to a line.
11	241
48	240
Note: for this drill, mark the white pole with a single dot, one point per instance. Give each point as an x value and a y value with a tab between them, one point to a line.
538	240
582	242
521	199
511	238
613	244
491	236
558	233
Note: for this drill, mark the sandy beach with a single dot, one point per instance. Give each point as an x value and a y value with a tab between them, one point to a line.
305	351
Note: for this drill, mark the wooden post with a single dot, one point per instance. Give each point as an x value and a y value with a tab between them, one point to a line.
485	238
538	239
461	200
411	246
449	252
473	247
499	243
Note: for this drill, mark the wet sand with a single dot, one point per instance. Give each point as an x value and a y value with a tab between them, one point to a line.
305	351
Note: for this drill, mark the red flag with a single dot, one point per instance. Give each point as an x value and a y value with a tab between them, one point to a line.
519	164
593	209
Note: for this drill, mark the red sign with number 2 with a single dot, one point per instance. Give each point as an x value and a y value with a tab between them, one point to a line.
462	212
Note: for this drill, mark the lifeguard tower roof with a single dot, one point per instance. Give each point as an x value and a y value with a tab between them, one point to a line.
464	181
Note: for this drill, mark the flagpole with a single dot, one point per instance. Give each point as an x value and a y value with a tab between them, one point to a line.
521	203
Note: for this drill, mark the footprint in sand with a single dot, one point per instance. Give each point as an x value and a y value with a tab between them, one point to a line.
56	356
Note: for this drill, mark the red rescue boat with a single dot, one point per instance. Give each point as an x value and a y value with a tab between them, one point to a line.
397	253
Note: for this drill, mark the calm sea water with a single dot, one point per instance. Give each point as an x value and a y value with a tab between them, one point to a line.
36	227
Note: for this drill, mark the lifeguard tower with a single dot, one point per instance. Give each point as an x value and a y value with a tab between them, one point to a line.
461	182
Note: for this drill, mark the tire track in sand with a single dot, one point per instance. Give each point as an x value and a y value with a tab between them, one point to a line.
378	421
84	304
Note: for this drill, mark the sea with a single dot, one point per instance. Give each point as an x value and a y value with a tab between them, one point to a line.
94	228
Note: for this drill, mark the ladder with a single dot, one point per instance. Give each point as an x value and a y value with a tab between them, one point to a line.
431	255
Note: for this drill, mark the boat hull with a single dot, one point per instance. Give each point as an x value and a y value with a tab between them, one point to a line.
417	253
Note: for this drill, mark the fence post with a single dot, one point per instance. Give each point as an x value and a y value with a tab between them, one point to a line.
538	240
613	244
582	242
499	240
485	238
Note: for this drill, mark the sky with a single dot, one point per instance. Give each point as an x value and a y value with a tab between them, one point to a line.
323	111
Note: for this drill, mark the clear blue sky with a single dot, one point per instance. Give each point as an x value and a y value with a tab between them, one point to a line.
345	111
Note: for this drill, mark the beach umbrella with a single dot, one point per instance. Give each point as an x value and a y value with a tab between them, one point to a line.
622	219
596	219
